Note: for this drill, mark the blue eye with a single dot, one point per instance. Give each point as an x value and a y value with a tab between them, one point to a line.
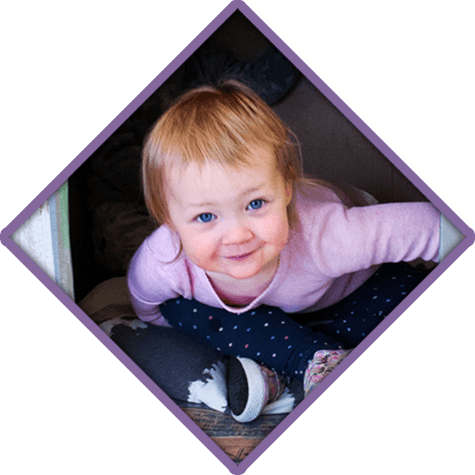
205	217
255	204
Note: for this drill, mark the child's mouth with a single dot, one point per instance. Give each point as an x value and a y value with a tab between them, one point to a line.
241	257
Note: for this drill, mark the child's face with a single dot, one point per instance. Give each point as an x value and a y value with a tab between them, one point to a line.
231	221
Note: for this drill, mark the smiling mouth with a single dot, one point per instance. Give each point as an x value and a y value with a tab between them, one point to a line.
241	257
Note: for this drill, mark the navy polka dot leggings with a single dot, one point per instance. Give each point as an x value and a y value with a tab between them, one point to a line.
286	343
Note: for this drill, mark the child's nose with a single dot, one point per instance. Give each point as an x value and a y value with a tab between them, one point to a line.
237	233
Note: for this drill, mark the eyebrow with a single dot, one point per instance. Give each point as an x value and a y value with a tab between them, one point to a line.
241	195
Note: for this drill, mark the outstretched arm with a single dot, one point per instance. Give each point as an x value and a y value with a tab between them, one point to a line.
347	240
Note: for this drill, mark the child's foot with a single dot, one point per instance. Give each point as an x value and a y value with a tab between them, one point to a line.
251	387
323	363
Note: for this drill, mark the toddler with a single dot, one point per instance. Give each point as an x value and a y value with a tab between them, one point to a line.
244	241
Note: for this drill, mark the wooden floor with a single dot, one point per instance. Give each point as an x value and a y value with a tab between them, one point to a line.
235	439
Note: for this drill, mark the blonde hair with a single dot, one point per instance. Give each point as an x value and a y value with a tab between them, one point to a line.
222	124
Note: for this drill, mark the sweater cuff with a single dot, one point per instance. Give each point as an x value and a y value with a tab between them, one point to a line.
450	237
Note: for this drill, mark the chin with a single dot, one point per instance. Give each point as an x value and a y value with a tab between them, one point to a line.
242	275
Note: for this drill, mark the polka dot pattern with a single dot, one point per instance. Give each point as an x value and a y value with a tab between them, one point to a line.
265	334
356	316
269	336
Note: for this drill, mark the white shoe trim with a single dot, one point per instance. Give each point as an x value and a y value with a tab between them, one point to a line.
257	396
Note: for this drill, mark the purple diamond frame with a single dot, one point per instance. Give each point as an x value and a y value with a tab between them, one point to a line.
61	178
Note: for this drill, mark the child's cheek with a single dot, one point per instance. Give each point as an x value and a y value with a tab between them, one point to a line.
277	231
199	249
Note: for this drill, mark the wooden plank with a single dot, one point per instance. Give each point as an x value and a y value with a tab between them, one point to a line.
216	424
237	440
237	449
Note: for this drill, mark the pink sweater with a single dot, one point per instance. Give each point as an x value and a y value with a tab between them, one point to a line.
332	251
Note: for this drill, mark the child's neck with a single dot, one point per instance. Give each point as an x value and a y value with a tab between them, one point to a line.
241	292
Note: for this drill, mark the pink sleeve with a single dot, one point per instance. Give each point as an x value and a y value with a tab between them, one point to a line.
347	240
149	285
